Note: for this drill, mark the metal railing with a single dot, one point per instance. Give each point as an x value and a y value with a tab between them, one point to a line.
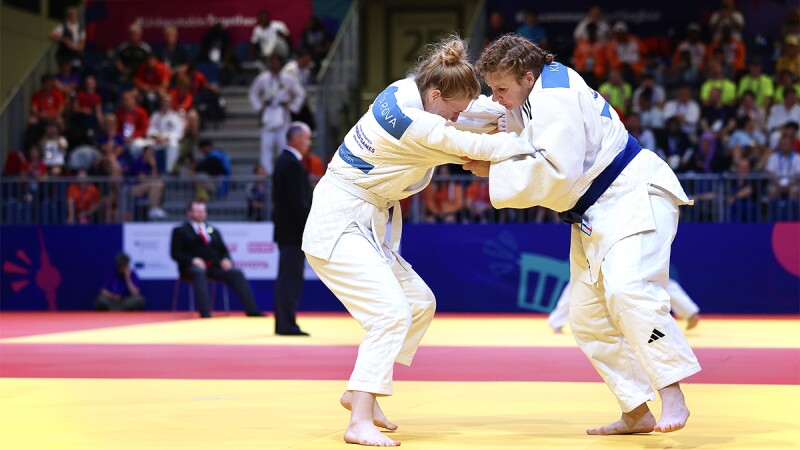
14	112
338	80
449	199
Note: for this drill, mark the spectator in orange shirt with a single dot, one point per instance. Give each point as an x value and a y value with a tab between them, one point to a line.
589	57
733	50
83	199
625	53
694	45
132	119
479	204
444	199
152	79
183	103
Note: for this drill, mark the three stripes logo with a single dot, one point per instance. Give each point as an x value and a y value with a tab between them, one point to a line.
655	335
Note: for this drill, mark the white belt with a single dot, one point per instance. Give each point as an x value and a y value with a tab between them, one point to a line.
375	200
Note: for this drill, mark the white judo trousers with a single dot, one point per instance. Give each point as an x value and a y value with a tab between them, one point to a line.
387	298
622	323
682	305
272	142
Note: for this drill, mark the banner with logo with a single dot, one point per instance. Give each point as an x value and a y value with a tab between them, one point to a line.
107	21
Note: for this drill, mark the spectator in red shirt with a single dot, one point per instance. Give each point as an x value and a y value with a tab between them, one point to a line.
47	104
152	79
183	103
133	120
87	109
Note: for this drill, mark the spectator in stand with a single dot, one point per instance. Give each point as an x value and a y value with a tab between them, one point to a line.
783	167
497	27
444	199
749	108
54	148
685	109
742	197
649	87
757	83
112	138
33	170
83	200
479	204
650	116
152	80
166	131
183	103
274	95
532	30
645	136
694	45
791	23
216	167
617	91
625	53
269	37
727	16
674	146
784	83
716	80
120	291
47	104
87	110
171	52
130	55
316	39
790	57
257	194
71	38
790	129
217	47
208	103
782	113
710	156
144	180
683	72
733	50
749	144
66	80
589	57
133	122
594	16
716	116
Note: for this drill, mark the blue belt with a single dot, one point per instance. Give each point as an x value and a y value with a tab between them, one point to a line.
602	182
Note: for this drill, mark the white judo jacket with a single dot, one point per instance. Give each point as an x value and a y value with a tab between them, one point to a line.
390	153
576	135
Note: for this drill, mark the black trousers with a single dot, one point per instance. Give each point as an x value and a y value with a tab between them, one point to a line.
288	287
233	278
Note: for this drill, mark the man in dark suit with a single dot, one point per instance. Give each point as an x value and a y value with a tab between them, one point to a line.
291	194
201	254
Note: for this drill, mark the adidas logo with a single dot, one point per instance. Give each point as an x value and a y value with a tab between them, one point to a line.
655	335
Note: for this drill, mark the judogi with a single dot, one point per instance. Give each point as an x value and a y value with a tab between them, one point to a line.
620	244
388	155
682	305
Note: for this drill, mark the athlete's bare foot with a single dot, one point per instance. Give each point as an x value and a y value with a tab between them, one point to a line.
378	417
692	321
674	412
640	420
365	433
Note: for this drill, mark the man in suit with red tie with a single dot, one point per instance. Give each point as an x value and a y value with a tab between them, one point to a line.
291	192
201	254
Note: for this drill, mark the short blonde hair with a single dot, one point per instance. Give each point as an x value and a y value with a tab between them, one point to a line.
447	69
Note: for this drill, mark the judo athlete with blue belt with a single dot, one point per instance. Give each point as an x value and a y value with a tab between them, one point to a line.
623	203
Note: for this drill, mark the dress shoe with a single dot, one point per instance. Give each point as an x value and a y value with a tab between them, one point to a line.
297	332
